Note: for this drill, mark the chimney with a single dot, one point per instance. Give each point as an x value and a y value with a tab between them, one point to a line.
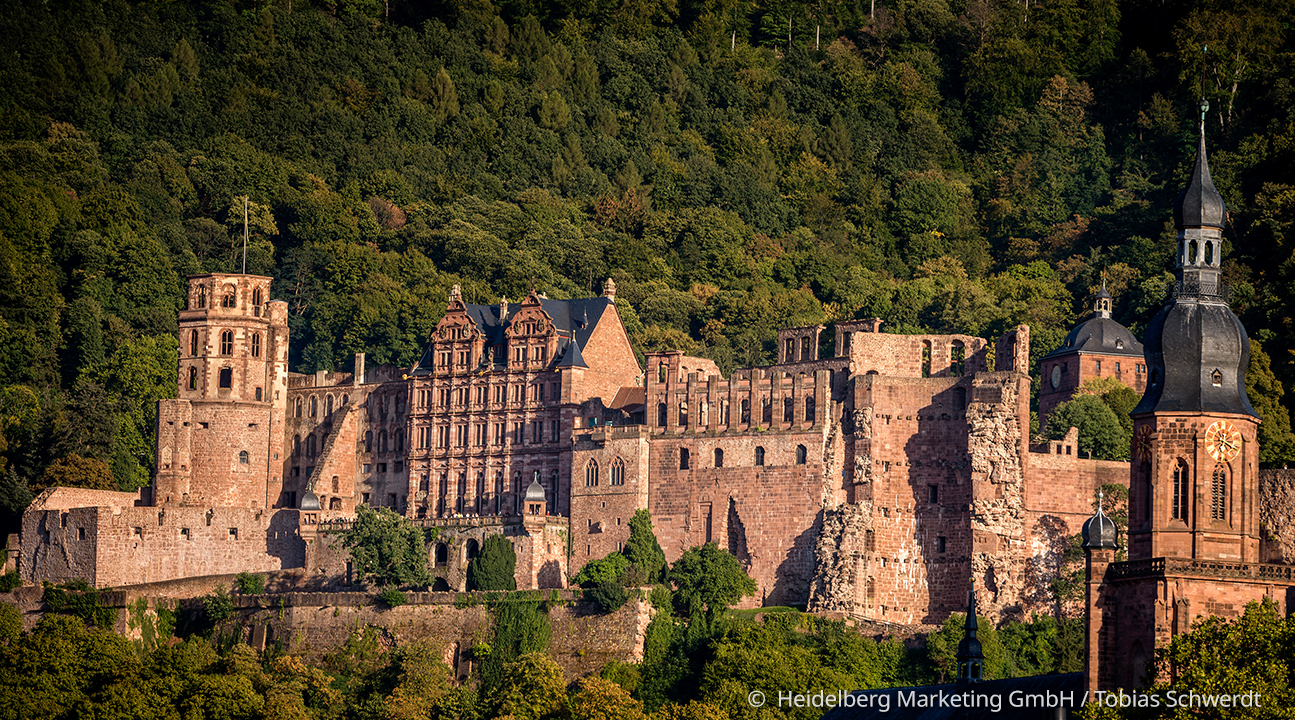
358	378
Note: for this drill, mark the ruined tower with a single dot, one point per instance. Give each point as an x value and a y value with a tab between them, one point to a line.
220	442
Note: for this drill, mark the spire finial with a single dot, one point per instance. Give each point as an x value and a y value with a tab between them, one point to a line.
1100	496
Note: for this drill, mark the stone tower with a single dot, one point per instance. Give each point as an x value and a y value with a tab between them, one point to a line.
1194	489
220	442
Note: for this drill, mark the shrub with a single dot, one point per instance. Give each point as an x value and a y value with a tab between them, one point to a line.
494	567
218	605
609	596
78	599
392	597
9	581
250	583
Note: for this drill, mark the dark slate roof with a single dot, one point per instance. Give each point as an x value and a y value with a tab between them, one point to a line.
987	700
1200	204
1186	342
535	492
1099	335
1099	532
571	356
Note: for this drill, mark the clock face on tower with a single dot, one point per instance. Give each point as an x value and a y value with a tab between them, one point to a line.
1222	441
1056	376
1142	443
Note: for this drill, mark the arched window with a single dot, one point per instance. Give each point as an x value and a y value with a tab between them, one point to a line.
382	441
1191	252
683	458
193	378
766	415
328	405
683	414
296	407
517	493
256	344
310	446
618	472
746	411
296	446
926	358
442	554
227	342
227	299
336	483
256	296
242	457
957	358
551	493
1182	490
1219	493
591	473
193	342
719	458
314	406
801	455
788	410
660	414
202	297
368	441
759	456
660	373
472	549
809	409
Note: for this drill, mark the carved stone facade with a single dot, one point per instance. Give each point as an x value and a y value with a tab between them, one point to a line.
872	477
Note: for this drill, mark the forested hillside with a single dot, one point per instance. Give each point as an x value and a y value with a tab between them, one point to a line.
947	166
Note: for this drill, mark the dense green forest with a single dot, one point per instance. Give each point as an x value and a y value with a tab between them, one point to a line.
735	166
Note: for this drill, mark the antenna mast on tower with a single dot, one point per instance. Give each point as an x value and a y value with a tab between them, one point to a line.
244	234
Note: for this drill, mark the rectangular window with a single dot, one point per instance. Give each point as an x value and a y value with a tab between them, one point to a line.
940	544
933	493
1099	367
382	468
365	498
556	430
537	431
499	433
1117	368
400	466
519	433
461	436
226	377
233	533
553	391
368	468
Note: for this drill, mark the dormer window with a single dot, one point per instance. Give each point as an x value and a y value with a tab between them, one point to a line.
1119	344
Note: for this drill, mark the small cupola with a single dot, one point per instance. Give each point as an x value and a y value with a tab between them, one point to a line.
1099	531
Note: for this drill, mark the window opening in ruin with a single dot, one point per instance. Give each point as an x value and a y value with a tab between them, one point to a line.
719	458
788	410
202	297
759	456
256	344
368	441
809	409
1182	479
184	533
959	398
789	354
957	358
940	544
310	446
193	378
260	394
226	378
683	458
233	533
1219	493
591	474
242	457
296	408
227	300
227	342
80	533
806	352
926	358
314	406
683	414
746	411
766	414
256	296
442	555
801	455
933	493
618	472
193	342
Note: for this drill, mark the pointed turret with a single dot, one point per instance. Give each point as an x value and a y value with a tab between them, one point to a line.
1200	204
971	660
572	357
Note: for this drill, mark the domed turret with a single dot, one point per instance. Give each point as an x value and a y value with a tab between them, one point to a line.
1099	531
1196	349
535	492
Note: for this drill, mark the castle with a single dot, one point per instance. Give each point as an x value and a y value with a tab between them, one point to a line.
872	479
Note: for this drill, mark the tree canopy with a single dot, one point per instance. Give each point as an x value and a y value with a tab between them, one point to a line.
387	548
495	567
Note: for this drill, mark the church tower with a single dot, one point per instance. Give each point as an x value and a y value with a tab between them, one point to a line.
1194	486
220	442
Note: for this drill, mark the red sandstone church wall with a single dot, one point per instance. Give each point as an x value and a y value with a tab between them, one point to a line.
902	355
600	514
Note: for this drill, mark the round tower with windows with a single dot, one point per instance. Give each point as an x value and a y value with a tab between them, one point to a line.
220	442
